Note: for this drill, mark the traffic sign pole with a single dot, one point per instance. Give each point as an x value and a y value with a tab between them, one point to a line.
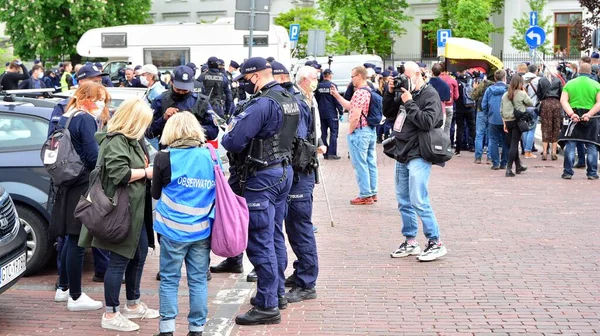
251	37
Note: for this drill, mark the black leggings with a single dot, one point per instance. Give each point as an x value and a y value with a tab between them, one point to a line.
513	137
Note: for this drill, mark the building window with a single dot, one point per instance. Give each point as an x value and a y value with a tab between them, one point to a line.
565	36
428	46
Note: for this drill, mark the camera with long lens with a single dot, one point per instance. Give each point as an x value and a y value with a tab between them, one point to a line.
401	82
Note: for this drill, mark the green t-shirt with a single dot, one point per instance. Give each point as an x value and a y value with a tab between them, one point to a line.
582	92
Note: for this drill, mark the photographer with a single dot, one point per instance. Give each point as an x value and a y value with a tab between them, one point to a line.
423	112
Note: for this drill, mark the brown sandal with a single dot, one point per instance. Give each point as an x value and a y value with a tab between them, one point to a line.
544	157
554	157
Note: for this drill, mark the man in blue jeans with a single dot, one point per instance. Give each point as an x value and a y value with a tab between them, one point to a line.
490	107
362	137
424	111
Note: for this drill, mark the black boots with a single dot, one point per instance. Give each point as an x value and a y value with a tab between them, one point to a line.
520	168
257	315
227	266
252	277
291	280
298	294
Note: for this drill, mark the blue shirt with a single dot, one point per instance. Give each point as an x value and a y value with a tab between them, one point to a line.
442	88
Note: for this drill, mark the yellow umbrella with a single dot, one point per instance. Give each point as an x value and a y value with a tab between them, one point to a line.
461	54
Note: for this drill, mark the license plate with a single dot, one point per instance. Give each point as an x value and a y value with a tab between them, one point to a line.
12	270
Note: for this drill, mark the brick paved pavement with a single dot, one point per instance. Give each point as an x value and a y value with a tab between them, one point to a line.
522	259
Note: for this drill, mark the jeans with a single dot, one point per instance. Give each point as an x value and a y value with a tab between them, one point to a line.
412	179
71	270
497	137
100	261
132	268
592	158
529	137
172	256
448	119
481	133
580	154
361	144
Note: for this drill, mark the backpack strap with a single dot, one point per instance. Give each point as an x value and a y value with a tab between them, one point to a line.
71	118
213	153
362	114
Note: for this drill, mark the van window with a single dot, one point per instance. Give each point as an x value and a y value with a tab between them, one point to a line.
21	133
259	41
114	40
167	58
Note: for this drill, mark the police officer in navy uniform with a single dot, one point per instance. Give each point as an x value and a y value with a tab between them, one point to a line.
329	110
105	79
198	86
260	143
298	221
217	88
182	98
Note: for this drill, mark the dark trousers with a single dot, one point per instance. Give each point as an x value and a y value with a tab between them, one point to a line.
100	261
331	125
132	268
71	265
513	137
461	118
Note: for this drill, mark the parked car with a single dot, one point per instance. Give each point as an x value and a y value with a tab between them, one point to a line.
23	130
13	243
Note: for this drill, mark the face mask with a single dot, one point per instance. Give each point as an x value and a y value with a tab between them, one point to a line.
99	107
287	85
179	97
249	86
314	85
235	73
40	75
144	81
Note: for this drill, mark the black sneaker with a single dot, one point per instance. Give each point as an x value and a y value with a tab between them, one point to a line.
291	280
208	276
567	176
282	302
227	266
98	278
252	277
502	166
164	334
157	276
593	177
495	167
334	157
457	153
477	161
194	333
433	251
298	294
579	166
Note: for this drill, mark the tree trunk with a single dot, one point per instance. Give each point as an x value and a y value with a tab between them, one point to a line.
75	59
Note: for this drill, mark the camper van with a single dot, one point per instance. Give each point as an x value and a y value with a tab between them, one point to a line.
341	66
172	44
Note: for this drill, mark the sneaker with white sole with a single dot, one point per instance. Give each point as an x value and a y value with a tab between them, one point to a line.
141	312
61	296
119	323
406	249
83	303
433	251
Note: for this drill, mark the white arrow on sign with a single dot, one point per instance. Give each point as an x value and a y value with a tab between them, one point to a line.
533	18
533	35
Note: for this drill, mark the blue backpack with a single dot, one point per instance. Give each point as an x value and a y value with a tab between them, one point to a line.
375	108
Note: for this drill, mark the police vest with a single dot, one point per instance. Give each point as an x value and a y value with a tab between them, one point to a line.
185	209
198	109
213	85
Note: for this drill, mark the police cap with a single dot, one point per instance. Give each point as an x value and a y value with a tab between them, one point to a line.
385	74
327	72
316	65
183	78
221	62
595	55
279	69
369	65
98	65
89	71
192	66
378	70
270	59
252	65
234	64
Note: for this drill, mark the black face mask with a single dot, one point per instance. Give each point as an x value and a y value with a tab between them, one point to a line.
287	85
179	97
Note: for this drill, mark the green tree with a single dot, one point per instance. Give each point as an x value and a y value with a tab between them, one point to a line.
521	25
466	18
586	27
367	23
52	28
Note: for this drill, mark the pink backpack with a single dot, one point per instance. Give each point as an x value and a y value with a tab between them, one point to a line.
229	236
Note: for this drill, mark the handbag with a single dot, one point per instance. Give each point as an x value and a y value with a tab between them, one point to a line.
229	234
107	219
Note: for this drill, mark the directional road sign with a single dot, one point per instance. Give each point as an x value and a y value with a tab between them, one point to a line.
533	18
535	37
442	36
294	32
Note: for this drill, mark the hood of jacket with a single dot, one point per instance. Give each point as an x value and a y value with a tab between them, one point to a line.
498	89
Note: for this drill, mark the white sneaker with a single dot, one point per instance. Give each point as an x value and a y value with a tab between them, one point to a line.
433	251
406	249
83	303
142	312
119	323
61	296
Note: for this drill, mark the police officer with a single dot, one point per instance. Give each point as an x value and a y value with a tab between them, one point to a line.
298	221
180	97
329	110
259	141
216	88
105	79
198	86
236	90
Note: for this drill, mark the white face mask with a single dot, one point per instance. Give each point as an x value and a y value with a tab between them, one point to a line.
314	85
40	75
99	107
144	80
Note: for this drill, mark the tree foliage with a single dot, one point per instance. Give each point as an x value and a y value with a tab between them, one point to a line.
522	24
367	24
466	18
52	28
585	28
311	18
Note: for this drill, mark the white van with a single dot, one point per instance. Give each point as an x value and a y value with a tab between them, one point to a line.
341	66
172	44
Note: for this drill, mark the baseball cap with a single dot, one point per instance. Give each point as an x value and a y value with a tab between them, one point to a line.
98	65
327	72
279	69
252	65
192	66
89	71
149	68
183	78
595	55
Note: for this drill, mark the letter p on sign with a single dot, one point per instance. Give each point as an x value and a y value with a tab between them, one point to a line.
442	37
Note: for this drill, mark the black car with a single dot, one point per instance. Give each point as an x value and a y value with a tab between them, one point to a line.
23	130
13	243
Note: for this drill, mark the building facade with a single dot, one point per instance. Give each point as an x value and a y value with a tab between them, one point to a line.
209	10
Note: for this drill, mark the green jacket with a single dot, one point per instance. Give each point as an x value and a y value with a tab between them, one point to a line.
120	156
521	102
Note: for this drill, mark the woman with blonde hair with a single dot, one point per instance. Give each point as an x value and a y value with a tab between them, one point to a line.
125	163
549	92
85	113
184	183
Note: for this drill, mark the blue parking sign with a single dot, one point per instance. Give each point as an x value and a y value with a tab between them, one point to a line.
294	32
442	36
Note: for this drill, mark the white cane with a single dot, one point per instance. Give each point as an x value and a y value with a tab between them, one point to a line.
322	181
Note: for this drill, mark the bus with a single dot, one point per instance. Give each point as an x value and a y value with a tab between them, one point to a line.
168	45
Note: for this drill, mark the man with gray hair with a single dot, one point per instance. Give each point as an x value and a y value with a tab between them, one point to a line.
423	112
149	78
